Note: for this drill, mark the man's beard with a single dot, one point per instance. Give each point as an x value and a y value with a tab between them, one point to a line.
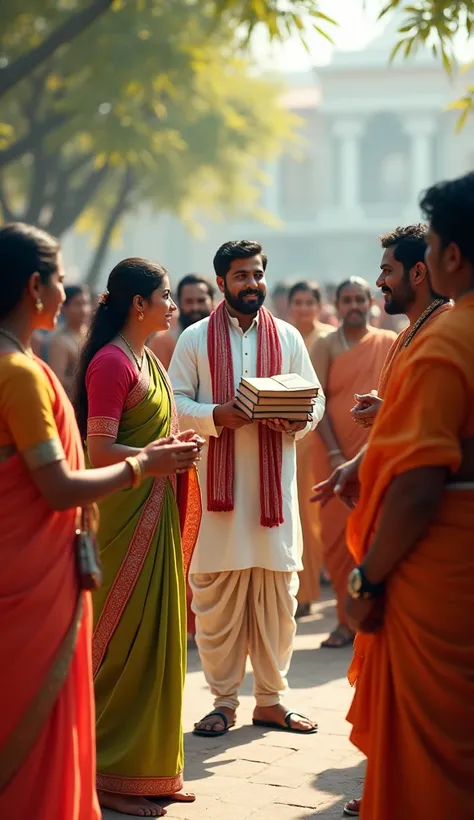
239	304
356	318
188	319
399	303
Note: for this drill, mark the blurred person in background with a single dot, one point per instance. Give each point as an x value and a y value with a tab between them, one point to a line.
279	300
47	738
195	297
344	360
123	402
65	344
328	314
304	302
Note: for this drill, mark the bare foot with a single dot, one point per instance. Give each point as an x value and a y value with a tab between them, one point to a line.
214	723
126	804
277	714
177	797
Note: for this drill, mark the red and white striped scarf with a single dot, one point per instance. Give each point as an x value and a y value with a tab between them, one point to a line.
221	459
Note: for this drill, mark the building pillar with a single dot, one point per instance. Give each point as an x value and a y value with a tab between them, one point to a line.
349	133
420	130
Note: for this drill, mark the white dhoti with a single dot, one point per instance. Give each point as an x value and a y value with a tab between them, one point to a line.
240	614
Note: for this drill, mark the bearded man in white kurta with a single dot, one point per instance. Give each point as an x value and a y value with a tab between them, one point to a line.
243	574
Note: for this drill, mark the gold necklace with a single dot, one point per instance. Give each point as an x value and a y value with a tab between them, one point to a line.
16	342
422	319
138	362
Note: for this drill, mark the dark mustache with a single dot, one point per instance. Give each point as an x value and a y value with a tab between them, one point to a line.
250	293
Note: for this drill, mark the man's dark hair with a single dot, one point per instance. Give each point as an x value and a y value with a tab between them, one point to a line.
408	243
281	289
305	287
449	208
74	290
237	249
195	279
353	280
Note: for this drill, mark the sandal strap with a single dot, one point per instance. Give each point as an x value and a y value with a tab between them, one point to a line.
219	714
288	717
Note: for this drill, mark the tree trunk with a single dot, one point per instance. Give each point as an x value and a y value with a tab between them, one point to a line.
114	216
75	25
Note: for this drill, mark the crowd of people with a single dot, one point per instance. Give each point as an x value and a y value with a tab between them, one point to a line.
140	506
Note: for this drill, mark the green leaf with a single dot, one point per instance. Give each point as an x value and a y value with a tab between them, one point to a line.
397	47
323	34
463	119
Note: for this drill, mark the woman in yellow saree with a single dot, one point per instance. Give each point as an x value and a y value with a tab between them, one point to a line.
139	647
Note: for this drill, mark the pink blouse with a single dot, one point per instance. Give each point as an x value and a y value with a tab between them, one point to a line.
110	379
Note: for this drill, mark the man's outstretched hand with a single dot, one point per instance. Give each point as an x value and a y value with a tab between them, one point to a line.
343	483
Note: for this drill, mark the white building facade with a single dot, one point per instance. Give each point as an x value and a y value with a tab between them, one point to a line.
375	135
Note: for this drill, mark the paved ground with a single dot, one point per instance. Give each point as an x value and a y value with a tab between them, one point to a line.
264	775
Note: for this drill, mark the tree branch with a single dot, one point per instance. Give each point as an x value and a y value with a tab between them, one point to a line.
27	143
64	215
74	25
37	192
114	216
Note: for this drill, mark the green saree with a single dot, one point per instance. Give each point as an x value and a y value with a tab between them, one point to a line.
139	646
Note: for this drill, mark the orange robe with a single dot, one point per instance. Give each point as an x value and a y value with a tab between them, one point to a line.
357	370
397	346
413	710
308	591
39	593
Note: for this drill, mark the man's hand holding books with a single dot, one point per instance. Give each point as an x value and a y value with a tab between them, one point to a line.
227	415
284	426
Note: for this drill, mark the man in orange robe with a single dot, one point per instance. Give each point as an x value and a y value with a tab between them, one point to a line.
412	595
407	289
304	303
346	360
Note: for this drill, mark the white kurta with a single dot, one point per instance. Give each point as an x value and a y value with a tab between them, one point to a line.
236	540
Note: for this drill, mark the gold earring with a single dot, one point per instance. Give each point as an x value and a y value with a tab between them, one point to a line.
140	316
39	305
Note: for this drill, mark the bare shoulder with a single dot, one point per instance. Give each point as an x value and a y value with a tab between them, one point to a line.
328	340
389	335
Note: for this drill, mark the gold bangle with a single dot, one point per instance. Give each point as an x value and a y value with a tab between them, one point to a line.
137	470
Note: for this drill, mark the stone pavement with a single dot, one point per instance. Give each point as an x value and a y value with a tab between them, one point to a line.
267	775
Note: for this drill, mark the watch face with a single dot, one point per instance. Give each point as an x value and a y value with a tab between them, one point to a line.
355	582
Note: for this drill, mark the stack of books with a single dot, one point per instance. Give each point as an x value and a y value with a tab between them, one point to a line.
288	397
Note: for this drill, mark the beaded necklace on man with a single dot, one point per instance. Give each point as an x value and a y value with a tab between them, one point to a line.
422	319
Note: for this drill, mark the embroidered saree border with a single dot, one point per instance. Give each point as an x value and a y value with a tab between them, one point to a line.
102	426
126	579
140	389
141	786
46	452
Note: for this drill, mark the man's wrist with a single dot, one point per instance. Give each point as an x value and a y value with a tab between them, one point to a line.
216	415
360	586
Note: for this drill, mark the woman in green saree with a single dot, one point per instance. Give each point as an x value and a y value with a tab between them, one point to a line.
124	401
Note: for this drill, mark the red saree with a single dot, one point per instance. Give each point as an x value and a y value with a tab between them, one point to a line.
39	596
